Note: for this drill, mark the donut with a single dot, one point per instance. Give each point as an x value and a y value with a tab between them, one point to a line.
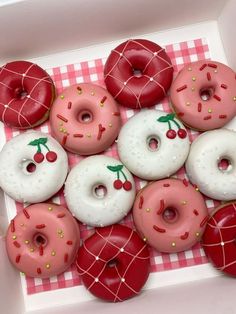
138	73
203	164
203	95
99	191
26	94
218	239
85	119
170	215
42	240
153	144
113	263
33	167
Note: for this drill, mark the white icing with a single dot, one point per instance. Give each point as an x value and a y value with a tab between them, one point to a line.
135	153
37	186
202	164
85	205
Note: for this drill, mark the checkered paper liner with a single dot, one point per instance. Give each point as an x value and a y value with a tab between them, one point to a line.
92	71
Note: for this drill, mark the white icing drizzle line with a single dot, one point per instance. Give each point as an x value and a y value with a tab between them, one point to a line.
10	108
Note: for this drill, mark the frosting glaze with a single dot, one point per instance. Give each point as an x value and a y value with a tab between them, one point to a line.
113	263
85	119
116	196
202	165
33	167
138	73
26	94
170	215
42	240
203	95
219	239
138	155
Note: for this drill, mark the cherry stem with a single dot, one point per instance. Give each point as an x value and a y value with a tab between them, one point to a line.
39	149
118	175
124	175
169	126
46	147
177	124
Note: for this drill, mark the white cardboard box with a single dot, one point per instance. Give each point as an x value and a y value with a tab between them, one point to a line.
56	32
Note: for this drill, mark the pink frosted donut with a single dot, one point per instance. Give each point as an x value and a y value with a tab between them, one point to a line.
43	240
203	95
170	214
85	119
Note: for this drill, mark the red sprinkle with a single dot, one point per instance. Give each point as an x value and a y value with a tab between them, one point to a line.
196	212
13	229
180	114
17	244
39	271
62	118
141	200
159	229
212	65
103	99
208	76
101	129
224	86
217	97
79	88
203	67
40	226
184	236
204	221
61	215
64	140
78	135
181	88
222	116
66	256
207	118
162	206
18	258
69	242
41	250
116	114
166	185
185	182
69	105
26	214
199	107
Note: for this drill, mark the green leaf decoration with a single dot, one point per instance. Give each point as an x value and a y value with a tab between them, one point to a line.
38	141
171	116
115	168
166	118
33	143
163	119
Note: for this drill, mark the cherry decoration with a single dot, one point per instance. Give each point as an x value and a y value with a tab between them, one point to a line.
171	133
118	184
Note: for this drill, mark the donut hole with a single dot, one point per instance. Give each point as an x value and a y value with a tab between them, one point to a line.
170	214
85	116
137	72
28	166
100	191
20	93
113	263
206	93
31	167
40	240
225	164
153	143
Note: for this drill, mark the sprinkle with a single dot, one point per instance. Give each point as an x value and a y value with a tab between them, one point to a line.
59	231
180	114
78	135
197	234
159	229
96	279
22	225
92	93
53	253
103	99
212	65
194	78
13	225
61	129
50	209
66	256
62	96
234	99
184	236
89	135
181	88
32	250
64	139
183	202
144	239
185	182
195	212
123	279
210	110
208	76
40	226
207	118
61	236
188	103
141	200
189	69
61	215
148	210
222	116
69	242
203	67
199	107
62	118
69	105
17	244
193	89
18	258
222	243
14	237
41	250
166	185
39	271
125	83
162	206
110	125
97	258
224	86
173	244
215	71
101	129
26	214
204	221
116	114
48	266
79	89
217	97
27	242
122	249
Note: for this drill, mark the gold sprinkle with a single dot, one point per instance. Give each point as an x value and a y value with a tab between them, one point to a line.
197	189
197	234
61	123
62	236
189	69
144	239
89	135
22	225
148	210
48	266
61	129
194	78
188	103
53	253
26	241
50	209
210	110
193	89
215	71
23	274
59	231
80	91
14	237
92	93
183	202
110	125
32	250
101	104
173	244
234	98
62	96
64	131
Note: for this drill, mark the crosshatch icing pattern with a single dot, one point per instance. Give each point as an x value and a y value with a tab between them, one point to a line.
92	71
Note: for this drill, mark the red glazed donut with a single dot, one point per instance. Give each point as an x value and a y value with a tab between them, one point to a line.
43	240
114	263
138	73
219	239
26	94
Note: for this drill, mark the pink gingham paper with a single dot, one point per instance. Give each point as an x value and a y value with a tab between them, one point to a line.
92	71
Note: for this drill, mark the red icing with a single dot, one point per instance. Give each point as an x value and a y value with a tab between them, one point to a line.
219	239
26	94
154	78
129	254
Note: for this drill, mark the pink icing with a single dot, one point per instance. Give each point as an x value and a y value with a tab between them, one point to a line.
170	214
43	240
204	95
85	119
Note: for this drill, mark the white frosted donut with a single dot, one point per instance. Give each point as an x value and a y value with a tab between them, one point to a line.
135	144
99	191
202	164
33	167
